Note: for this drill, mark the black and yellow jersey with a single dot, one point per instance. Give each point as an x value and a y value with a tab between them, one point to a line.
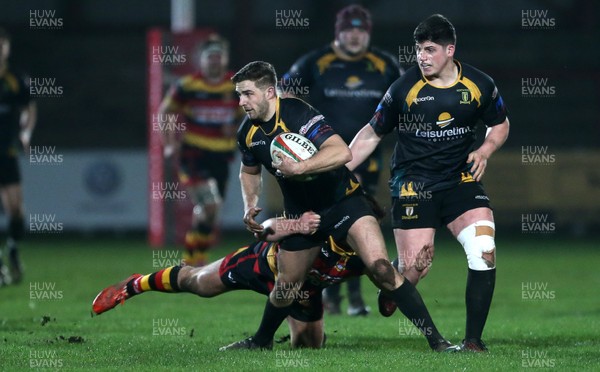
294	115
436	127
14	96
346	90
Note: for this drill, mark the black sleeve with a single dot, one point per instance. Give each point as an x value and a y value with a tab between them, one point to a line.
248	158
387	113
310	123
300	74
494	111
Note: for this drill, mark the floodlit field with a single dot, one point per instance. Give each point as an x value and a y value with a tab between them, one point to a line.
545	314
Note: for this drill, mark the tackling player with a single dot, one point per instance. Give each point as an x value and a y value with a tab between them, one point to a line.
345	81
333	193
206	103
17	120
253	268
436	169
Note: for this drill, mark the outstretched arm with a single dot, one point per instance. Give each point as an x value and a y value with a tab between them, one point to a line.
276	229
363	145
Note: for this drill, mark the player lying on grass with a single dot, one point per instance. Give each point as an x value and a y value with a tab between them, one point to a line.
253	267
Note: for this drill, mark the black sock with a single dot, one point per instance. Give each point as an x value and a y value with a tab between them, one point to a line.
410	303
271	320
478	298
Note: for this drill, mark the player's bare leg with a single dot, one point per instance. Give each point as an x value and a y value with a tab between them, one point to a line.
415	254
414	247
366	239
12	202
292	267
306	334
202	281
475	230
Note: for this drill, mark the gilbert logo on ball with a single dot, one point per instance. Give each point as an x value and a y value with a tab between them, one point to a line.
294	146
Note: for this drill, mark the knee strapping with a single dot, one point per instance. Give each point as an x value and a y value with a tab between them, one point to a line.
478	242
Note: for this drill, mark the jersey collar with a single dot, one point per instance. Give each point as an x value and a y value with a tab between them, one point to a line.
459	77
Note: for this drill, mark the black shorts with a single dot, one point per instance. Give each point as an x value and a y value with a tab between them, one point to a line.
437	208
369	172
9	171
335	222
197	165
247	269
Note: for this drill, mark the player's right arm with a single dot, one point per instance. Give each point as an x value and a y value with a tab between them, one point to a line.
384	120
363	145
251	184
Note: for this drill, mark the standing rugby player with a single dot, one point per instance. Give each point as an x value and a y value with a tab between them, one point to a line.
436	169
345	81
333	193
205	102
17	120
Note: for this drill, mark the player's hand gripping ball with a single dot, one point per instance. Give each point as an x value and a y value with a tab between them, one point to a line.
295	147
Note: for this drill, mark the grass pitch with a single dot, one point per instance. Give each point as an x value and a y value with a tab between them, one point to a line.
545	314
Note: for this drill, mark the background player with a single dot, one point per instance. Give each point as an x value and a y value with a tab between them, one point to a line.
333	193
436	171
17	120
206	103
345	81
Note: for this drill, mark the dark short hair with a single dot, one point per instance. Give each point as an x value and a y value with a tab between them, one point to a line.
436	28
261	73
4	35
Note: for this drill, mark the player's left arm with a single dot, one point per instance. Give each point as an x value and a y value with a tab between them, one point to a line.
27	120
278	228
494	139
332	154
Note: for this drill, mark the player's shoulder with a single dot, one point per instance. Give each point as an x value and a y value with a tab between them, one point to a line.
295	105
384	54
18	76
477	76
406	81
311	57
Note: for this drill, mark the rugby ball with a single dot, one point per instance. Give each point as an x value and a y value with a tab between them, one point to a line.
294	146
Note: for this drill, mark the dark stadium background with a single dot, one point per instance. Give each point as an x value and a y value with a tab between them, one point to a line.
99	57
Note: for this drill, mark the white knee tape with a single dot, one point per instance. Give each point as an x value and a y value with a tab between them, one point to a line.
476	245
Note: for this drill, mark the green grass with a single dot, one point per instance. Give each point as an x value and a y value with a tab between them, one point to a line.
560	332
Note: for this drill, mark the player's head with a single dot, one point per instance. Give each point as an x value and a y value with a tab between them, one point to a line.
435	40
4	45
353	29
255	85
214	56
